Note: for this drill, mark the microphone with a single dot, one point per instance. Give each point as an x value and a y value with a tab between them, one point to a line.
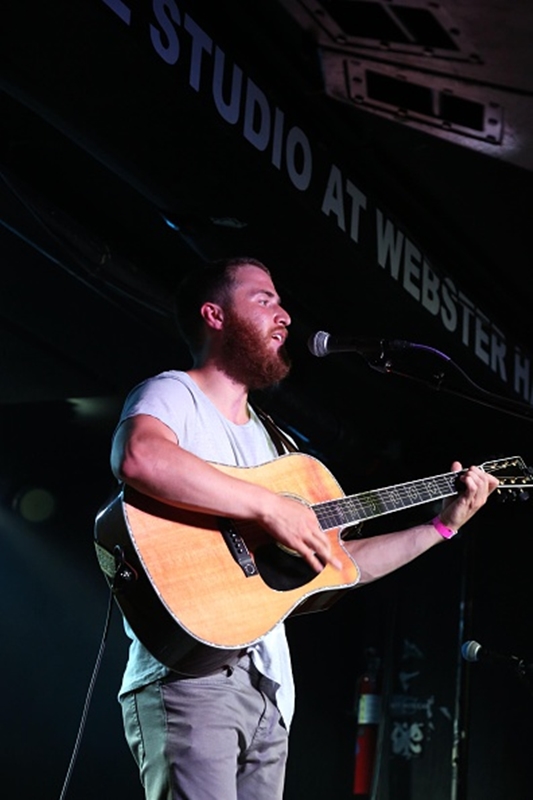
322	344
474	652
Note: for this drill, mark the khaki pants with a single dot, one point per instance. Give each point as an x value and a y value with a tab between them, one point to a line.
217	737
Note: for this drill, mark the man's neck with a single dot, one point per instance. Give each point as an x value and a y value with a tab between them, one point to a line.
229	397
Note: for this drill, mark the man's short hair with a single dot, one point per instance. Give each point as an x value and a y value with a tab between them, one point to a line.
211	283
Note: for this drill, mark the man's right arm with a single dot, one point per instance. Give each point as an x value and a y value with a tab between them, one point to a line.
147	456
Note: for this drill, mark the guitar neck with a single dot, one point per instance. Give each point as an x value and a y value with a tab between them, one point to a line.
375	503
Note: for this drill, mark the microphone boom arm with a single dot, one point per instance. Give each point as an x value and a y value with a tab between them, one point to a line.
379	353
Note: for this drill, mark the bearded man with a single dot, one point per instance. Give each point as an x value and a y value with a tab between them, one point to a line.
223	736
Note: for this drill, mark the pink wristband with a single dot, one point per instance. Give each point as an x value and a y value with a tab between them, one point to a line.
439	526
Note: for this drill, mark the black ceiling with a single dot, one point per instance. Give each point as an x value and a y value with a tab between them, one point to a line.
105	142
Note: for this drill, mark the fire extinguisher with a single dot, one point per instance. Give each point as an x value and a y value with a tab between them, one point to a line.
368	710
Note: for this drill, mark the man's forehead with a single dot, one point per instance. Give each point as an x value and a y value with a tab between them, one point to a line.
253	279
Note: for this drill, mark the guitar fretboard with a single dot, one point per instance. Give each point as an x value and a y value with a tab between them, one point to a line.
375	503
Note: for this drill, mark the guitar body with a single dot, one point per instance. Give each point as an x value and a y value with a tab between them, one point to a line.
206	588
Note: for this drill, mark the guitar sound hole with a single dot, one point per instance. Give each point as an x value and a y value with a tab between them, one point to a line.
281	570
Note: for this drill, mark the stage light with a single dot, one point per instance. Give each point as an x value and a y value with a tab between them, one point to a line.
34	504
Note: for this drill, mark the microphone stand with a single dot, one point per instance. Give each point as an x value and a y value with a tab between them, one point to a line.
524	672
384	363
439	380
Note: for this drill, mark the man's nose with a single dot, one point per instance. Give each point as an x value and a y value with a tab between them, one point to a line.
282	317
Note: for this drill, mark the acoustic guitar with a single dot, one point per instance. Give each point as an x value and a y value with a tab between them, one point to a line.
198	589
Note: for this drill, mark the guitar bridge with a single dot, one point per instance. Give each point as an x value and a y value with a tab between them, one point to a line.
237	547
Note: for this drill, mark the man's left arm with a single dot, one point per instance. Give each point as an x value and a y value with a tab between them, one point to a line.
380	555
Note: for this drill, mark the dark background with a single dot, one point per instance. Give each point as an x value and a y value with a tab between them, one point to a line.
102	141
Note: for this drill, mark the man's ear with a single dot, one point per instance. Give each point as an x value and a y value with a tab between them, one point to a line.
213	315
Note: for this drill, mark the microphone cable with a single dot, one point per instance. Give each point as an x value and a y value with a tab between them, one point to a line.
88	698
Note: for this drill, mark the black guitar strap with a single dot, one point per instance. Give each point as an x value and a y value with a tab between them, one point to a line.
282	443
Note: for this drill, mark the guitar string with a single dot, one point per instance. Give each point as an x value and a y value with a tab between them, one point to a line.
356	508
331	513
349	510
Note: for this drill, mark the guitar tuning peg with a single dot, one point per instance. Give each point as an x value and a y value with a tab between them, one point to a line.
501	497
513	494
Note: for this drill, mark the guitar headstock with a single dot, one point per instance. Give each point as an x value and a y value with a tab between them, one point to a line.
514	475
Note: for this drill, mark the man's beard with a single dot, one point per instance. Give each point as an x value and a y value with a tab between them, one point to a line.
248	356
